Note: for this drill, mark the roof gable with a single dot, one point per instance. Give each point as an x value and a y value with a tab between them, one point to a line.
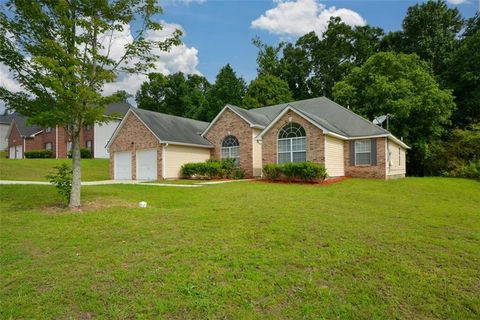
168	129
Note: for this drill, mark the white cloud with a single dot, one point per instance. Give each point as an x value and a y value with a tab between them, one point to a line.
8	82
298	17
180	58
456	2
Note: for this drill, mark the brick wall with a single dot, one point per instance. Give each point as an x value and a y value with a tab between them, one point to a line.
230	123
314	139
377	171
87	135
135	136
14	139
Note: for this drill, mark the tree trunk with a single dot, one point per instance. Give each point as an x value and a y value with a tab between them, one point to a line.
76	179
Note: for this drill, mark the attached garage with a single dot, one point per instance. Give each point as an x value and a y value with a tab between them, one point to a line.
146	164
123	165
175	156
155	145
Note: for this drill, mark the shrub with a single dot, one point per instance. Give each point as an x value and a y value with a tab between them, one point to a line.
272	171
62	180
470	169
212	169
85	153
305	171
38	154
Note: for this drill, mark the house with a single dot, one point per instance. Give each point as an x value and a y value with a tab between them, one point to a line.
5	121
149	145
23	137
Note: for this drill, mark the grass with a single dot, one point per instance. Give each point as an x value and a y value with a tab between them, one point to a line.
37	169
359	249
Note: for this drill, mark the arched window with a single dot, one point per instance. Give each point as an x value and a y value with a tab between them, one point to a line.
231	149
292	143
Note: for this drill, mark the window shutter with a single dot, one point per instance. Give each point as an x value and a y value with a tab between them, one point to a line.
352	153
374	152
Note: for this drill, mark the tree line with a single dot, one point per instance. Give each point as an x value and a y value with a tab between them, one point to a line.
426	77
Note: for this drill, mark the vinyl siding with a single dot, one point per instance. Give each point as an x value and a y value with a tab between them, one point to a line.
257	154
102	134
334	157
394	166
176	156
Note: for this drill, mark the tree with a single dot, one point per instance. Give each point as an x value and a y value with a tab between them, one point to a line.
265	91
335	54
401	85
286	62
430	30
175	94
228	89
61	54
463	76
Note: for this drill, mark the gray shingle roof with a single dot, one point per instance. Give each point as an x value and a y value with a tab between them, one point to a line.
25	129
326	114
174	129
117	108
252	117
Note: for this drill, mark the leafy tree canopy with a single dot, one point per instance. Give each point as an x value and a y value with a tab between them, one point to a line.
177	94
265	91
60	53
400	85
228	89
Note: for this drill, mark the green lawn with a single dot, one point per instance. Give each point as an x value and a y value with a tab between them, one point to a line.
359	249
37	169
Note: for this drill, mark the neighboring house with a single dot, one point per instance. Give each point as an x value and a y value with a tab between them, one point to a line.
5	121
149	145
23	137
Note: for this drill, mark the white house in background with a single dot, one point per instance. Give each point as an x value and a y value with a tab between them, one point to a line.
5	121
22	137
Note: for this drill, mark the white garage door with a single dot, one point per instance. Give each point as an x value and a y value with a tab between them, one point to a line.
19	152
11	153
123	165
147	164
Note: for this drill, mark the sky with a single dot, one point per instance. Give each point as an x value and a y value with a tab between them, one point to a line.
217	32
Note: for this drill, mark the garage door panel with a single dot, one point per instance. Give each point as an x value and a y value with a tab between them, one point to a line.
146	164
123	165
11	153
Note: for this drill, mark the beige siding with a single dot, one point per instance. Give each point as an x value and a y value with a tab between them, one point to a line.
334	157
175	156
257	154
396	159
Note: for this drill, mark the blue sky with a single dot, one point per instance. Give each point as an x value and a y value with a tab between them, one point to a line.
221	31
218	32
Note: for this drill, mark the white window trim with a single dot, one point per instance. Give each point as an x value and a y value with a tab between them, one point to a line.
370	153
291	152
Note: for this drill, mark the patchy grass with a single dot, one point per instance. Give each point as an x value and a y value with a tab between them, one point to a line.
37	169
358	249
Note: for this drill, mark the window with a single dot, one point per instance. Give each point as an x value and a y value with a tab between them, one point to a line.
48	130
88	144
363	152
292	144
48	146
231	149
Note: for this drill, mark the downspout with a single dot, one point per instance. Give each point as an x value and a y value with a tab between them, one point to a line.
56	142
24	146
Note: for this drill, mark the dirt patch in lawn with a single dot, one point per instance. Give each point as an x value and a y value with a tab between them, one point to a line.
88	206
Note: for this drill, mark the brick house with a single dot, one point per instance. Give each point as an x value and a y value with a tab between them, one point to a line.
22	137
149	145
